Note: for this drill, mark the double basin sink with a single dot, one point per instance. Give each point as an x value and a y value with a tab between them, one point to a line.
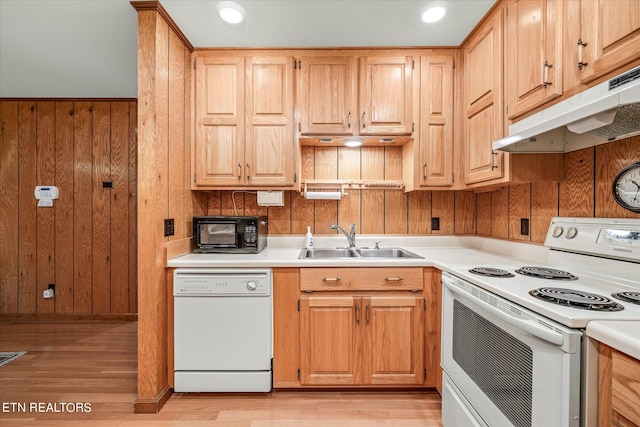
351	253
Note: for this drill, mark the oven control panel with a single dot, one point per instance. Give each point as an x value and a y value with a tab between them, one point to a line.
617	238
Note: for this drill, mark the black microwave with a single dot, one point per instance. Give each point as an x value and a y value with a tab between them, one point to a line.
229	234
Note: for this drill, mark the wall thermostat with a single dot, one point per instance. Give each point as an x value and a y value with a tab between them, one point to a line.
46	194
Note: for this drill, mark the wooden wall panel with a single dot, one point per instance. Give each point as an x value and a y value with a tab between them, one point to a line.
372	200
419	212
9	196
577	187
119	208
101	225
45	217
162	100
544	206
519	208
280	216
176	133
610	159
465	212
500	213
442	206
82	207
64	208
326	167
27	207
483	212
349	167
81	244
133	206
395	201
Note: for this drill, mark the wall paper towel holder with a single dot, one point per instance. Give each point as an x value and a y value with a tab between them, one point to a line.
316	189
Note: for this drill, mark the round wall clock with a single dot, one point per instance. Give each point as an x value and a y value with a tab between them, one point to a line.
626	188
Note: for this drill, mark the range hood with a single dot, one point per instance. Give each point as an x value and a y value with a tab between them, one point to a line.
603	113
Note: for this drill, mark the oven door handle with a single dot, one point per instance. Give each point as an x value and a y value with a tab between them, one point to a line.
528	326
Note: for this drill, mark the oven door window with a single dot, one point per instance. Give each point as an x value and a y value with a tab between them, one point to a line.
500	365
218	235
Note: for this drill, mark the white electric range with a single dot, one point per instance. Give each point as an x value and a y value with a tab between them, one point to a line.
514	350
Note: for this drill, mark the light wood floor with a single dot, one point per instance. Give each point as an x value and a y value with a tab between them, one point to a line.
95	363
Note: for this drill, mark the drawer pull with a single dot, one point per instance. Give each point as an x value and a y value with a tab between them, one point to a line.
357	314
331	279
393	279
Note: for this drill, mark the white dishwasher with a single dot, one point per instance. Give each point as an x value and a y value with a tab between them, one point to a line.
223	339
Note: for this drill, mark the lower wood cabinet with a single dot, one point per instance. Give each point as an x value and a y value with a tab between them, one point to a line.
349	340
619	391
356	327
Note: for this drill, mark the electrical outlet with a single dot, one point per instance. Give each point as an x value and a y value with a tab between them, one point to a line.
169	228
524	226
435	224
52	286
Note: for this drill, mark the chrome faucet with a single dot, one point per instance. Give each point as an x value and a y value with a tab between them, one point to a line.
351	236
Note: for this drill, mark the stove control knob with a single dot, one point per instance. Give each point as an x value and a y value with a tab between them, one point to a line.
252	285
572	232
557	231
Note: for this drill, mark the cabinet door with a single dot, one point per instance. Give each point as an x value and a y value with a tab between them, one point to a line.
393	340
436	121
483	103
269	142
330	345
534	54
326	95
611	30
386	95
218	152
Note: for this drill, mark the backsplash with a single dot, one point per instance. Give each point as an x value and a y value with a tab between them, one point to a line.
584	192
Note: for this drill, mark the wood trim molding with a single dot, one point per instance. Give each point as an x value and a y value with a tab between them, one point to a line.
155	5
71	99
152	406
53	317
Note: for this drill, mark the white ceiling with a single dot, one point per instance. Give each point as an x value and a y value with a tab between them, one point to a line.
87	48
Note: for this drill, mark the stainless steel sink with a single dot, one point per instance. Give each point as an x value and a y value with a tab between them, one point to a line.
349	253
386	253
327	253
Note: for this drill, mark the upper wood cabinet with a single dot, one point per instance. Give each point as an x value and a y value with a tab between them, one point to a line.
435	166
610	36
218	150
482	103
386	95
327	101
334	99
243	122
533	53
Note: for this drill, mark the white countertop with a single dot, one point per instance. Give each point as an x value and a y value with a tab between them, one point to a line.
621	335
442	252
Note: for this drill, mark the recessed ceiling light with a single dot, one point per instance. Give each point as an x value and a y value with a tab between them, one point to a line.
434	11
230	12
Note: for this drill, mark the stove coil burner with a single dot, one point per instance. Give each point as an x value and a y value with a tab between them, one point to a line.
576	299
491	272
546	273
632	297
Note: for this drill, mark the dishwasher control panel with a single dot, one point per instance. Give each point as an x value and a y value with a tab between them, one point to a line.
217	282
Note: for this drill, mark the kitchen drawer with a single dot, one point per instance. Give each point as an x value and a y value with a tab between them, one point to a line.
361	279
